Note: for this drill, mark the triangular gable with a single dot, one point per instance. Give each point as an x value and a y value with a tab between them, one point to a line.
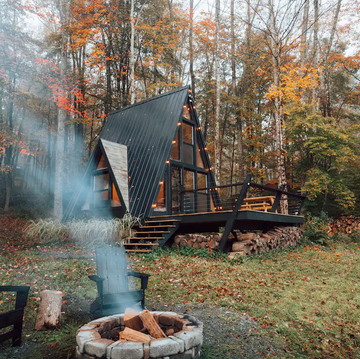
147	128
117	159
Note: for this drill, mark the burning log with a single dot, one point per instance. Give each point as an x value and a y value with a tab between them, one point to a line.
132	319
151	325
134	336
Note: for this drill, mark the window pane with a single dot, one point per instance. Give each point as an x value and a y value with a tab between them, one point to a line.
200	155
101	199
201	181
188	180
175	152
101	181
187	133
186	113
102	163
115	201
188	155
202	202
160	203
175	190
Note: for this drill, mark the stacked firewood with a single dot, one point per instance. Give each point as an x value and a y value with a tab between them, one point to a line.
198	241
255	243
344	224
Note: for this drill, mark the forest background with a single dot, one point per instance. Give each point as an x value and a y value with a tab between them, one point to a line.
276	86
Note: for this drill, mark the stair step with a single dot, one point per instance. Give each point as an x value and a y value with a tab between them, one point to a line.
138	238
141	244
139	250
165	225
152	232
165	220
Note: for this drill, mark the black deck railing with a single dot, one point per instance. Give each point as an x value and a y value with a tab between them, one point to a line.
225	197
220	201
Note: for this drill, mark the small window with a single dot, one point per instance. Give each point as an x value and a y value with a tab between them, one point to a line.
160	202
115	201
186	113
188	133
102	163
188	155
175	152
101	181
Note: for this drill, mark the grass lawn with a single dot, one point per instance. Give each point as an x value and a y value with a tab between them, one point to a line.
306	300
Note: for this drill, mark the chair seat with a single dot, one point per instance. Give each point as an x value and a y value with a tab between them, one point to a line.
130	297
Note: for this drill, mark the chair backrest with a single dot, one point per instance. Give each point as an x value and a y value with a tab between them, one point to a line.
112	266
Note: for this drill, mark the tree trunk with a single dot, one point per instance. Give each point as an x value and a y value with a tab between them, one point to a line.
49	311
315	50
191	48
132	54
60	141
217	100
278	111
304	30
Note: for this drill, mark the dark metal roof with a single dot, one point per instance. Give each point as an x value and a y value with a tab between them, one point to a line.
148	129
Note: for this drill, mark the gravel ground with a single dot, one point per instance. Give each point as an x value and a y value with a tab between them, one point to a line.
227	334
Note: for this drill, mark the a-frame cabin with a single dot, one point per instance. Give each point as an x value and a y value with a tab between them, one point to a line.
146	154
151	161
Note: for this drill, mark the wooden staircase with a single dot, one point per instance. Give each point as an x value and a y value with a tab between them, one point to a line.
152	234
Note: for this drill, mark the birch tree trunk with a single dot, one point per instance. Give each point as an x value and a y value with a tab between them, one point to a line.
217	100
61	117
315	50
304	31
132	54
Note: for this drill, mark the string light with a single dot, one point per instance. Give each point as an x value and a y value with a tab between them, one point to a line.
161	182
167	162
153	206
173	142
179	123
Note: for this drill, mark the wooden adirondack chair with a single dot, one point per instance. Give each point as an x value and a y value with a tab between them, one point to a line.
112	283
14	317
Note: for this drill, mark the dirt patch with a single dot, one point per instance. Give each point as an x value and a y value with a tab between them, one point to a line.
227	334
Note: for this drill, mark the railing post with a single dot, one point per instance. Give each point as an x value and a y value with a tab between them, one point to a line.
277	199
230	222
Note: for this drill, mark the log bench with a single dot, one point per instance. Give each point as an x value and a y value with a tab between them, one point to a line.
14	317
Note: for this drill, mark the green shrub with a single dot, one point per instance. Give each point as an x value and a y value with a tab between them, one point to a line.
316	229
90	233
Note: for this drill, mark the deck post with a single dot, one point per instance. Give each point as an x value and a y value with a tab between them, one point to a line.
277	199
230	222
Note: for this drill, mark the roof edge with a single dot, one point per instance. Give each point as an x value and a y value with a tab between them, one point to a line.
187	87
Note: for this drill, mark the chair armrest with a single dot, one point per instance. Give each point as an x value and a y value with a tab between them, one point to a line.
99	283
138	275
144	278
21	294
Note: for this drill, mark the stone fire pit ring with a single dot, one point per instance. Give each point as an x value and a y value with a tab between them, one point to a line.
98	339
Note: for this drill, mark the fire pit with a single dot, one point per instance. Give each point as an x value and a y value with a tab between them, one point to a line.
114	337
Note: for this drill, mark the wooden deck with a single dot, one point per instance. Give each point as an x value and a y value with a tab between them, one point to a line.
245	220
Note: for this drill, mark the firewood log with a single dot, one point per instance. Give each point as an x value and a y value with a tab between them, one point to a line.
151	325
134	336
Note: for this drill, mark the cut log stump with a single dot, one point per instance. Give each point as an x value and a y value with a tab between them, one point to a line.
49	311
